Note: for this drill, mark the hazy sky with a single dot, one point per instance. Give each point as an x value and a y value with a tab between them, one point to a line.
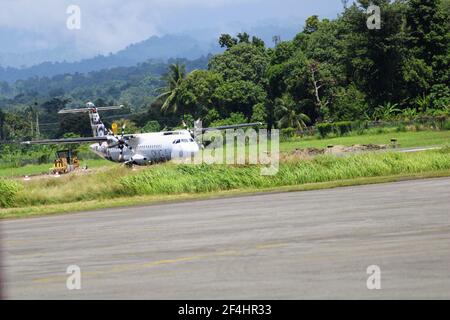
110	25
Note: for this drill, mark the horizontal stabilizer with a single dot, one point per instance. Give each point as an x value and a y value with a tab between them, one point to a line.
85	110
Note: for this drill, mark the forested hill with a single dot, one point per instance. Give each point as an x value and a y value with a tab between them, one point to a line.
134	85
154	48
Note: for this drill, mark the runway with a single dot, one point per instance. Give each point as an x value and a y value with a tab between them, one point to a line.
299	245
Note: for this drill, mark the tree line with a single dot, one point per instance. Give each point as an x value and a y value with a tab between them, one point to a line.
333	70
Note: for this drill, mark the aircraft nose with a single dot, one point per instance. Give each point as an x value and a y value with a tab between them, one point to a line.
190	148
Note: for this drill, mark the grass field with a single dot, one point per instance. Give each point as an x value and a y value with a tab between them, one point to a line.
116	184
405	139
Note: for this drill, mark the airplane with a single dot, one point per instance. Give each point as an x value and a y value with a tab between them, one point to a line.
136	149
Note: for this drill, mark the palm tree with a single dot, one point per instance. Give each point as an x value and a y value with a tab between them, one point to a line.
174	78
288	115
386	111
423	102
409	114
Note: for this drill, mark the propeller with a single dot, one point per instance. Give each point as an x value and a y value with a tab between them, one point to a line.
121	143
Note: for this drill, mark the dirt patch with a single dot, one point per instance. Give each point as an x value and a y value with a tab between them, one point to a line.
312	152
308	152
357	148
33	177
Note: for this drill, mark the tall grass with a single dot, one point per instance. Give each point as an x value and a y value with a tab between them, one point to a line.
177	179
72	188
207	178
8	192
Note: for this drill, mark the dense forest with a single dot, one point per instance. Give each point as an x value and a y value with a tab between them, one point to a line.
333	70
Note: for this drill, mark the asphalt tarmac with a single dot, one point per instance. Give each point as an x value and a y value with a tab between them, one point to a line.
299	245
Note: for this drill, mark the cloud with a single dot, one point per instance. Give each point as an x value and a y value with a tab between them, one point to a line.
110	25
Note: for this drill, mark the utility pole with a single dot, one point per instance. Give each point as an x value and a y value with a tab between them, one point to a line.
276	40
31	123
38	133
36	111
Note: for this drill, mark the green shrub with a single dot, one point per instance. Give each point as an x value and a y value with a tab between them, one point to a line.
381	130
446	125
349	104
359	126
8	192
401	128
288	133
325	129
441	122
235	118
418	127
343	127
151	126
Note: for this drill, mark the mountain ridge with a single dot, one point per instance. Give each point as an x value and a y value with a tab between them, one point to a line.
152	49
187	45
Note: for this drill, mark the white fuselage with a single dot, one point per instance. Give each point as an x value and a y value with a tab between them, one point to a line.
148	148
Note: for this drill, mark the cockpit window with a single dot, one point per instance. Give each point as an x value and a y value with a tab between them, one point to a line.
182	141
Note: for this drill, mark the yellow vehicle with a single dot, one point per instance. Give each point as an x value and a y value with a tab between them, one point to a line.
66	161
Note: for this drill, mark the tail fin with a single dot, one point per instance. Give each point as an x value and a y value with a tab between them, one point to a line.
98	128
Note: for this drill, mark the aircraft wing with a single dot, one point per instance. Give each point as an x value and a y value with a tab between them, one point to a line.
235	126
110	108
67	141
64	111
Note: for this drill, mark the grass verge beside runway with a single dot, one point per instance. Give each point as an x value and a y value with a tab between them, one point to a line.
34	211
120	187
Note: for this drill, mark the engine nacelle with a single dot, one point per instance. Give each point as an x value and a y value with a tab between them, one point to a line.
112	142
139	159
